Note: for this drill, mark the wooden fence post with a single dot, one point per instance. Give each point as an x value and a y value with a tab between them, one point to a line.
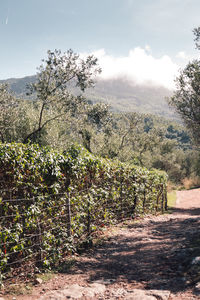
39	238
163	199
68	215
135	200
166	200
157	199
88	218
121	196
144	199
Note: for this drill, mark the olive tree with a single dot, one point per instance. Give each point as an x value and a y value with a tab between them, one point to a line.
61	79
186	98
13	120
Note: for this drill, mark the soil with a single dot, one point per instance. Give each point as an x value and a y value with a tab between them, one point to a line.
153	253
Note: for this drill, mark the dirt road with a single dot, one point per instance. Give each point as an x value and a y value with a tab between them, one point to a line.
147	259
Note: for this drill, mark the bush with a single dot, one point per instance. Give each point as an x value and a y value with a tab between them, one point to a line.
51	202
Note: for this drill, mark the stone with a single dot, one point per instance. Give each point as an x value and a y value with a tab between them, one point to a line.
197	288
38	281
76	291
161	294
196	260
97	287
138	294
73	291
105	281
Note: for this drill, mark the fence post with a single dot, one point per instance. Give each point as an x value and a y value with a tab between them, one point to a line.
39	241
166	200
68	215
144	200
88	217
163	198
121	213
135	200
39	238
157	199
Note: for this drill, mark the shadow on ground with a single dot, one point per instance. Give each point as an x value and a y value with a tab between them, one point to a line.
190	212
155	253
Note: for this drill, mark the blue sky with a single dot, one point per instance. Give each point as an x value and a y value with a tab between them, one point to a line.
120	32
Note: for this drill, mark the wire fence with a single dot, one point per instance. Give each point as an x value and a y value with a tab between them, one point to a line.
41	227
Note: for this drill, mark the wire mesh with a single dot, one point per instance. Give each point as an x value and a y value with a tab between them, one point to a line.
46	226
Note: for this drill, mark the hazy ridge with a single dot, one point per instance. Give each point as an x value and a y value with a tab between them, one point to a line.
120	94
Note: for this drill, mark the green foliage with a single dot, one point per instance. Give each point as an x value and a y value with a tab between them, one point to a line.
56	115
51	202
186	99
53	88
144	140
13	121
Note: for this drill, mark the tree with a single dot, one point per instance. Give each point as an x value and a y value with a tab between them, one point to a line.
96	120
60	79
196	32
186	99
13	121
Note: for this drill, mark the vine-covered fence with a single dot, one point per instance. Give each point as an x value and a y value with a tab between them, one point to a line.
52	203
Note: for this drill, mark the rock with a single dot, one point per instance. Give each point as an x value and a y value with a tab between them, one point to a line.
196	260
138	294
97	287
38	281
105	281
197	288
160	294
75	291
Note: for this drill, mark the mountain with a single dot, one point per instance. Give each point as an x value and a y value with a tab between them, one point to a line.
19	85
121	94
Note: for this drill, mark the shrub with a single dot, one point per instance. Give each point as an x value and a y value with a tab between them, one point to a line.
51	202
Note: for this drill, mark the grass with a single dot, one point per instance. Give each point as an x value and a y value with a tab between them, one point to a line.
171	196
46	276
19	289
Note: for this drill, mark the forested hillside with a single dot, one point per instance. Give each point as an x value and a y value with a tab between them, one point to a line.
120	94
60	108
124	96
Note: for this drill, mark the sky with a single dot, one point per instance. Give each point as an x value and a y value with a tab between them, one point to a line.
147	41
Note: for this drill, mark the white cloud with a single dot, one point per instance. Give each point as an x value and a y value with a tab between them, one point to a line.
139	67
181	55
185	58
148	48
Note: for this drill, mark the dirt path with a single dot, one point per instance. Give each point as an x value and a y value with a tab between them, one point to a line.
151	255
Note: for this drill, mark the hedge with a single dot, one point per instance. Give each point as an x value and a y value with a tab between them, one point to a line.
51	202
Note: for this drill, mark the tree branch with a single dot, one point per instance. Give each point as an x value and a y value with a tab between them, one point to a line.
28	137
